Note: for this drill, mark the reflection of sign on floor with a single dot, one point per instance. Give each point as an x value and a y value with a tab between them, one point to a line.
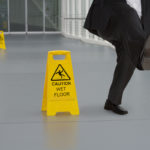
2	40
59	90
60	74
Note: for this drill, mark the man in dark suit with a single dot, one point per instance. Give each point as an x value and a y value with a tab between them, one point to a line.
119	23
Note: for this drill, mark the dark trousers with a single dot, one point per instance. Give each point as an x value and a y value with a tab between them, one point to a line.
126	33
122	75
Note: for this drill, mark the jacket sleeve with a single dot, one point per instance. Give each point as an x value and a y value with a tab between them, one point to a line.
98	2
92	15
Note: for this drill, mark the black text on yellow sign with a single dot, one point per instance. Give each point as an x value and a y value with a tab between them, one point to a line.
2	41
59	90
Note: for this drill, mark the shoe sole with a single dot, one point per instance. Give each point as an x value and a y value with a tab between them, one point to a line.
115	111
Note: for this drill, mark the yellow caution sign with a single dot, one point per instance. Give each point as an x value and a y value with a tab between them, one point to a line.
2	41
59	93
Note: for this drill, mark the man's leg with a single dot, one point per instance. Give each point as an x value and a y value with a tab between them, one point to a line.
122	75
125	26
131	33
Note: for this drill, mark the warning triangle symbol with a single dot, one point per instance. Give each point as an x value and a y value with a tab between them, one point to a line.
60	74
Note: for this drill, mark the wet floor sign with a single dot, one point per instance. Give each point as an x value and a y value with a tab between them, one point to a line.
2	41
59	93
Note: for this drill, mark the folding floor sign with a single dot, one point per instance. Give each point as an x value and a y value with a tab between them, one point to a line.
59	93
2	41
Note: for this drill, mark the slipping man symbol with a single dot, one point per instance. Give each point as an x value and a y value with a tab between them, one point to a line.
60	73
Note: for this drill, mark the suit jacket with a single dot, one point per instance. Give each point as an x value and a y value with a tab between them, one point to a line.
100	13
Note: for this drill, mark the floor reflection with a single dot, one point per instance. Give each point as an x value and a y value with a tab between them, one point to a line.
61	131
2	54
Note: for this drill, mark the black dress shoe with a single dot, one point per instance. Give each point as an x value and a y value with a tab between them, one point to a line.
115	108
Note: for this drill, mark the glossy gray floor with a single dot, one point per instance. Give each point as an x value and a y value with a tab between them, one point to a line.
24	127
